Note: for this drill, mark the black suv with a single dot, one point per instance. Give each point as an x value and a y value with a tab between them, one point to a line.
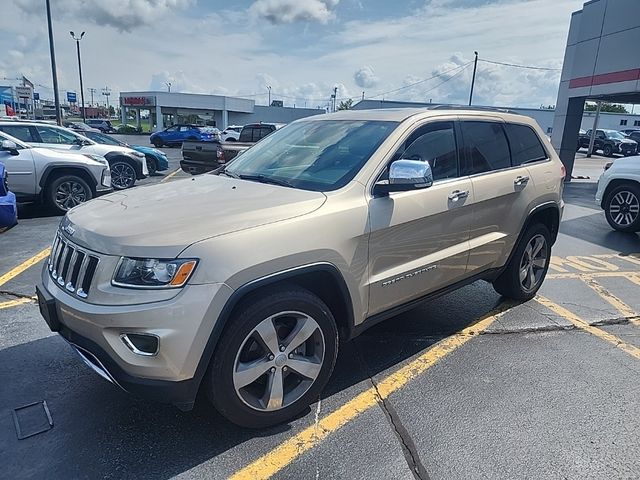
609	142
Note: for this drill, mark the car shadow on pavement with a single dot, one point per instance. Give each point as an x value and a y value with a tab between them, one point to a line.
101	432
35	210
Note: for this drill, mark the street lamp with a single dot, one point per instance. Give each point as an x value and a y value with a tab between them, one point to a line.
269	88
168	84
106	91
77	39
54	73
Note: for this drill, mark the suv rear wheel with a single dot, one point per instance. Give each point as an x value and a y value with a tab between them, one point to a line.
123	175
607	151
274	358
67	191
528	266
622	208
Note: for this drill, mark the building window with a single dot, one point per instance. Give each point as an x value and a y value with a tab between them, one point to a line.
549	130
623	122
636	123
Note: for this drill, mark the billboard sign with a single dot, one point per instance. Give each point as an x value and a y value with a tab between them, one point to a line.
36	96
138	101
71	97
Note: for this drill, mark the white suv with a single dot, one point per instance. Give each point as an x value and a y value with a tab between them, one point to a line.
619	194
127	165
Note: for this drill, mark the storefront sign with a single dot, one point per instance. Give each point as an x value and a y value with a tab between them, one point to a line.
138	101
23	91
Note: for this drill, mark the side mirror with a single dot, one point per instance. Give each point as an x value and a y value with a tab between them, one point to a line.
9	146
405	175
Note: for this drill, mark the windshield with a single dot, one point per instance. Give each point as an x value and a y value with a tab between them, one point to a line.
313	155
20	144
615	135
103	139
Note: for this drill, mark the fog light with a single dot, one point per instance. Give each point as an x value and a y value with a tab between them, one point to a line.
141	343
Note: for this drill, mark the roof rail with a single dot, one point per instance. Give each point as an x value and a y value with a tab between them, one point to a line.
479	109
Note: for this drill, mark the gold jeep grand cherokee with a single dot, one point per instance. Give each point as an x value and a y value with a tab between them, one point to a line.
241	282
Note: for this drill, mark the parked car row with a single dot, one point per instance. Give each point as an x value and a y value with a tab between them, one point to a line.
127	165
609	142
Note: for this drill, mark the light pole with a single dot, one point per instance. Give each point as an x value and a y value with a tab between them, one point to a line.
54	74
168	84
269	88
92	91
473	79
77	39
106	92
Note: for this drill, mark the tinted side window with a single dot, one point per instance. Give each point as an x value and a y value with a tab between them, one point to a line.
485	147
525	144
436	144
53	135
264	131
21	132
247	135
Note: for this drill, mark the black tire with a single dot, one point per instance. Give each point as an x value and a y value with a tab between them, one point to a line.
123	175
230	139
151	165
76	189
237	336
157	142
626	198
607	151
509	283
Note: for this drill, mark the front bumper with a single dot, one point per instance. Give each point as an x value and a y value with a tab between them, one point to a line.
196	167
183	325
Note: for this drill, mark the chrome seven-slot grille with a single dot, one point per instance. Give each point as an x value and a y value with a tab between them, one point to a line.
71	267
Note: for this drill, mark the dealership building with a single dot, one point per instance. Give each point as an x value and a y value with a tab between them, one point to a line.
601	63
166	108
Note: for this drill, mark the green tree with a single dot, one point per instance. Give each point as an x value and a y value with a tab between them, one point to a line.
346	104
606	107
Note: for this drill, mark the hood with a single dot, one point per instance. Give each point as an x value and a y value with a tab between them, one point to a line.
149	150
65	155
162	220
103	150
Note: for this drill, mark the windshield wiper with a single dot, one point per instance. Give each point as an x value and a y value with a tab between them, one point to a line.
228	174
265	179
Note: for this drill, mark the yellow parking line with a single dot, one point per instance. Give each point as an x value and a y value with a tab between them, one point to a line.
581	324
170	175
15	303
274	461
584	276
614	301
24	266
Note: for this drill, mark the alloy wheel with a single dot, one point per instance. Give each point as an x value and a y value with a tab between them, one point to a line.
279	361
533	263
122	175
69	194
624	208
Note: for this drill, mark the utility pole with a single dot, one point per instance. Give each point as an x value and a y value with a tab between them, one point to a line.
269	88
92	91
77	39
473	79
106	92
335	98
54	74
168	84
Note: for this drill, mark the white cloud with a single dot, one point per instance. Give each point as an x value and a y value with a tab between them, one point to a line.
366	77
124	15
289	11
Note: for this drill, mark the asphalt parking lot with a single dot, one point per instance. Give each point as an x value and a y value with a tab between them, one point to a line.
465	386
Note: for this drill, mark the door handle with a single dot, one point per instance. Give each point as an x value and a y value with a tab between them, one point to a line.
520	181
458	194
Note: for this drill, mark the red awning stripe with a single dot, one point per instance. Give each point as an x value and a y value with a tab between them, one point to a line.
614	77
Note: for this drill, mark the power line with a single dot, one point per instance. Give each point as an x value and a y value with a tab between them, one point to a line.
424	80
528	67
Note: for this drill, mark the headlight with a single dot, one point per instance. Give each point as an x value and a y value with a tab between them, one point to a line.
137	154
153	273
97	158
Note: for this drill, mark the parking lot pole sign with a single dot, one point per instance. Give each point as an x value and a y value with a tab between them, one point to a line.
25	92
71	97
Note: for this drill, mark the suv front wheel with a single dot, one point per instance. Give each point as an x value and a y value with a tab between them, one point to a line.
67	191
123	175
274	358
528	266
622	208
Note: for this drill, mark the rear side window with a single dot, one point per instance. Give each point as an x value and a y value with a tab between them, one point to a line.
54	135
21	132
525	144
247	134
264	131
485	146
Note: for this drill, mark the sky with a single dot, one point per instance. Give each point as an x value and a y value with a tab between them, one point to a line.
415	50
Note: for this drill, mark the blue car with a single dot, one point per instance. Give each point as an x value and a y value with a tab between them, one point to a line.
8	207
176	134
156	159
